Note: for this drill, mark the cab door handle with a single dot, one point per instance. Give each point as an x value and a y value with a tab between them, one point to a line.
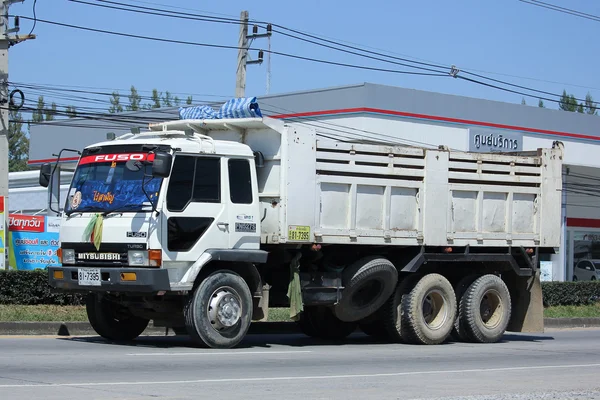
223	224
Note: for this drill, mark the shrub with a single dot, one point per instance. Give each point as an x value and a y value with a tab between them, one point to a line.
571	293
31	287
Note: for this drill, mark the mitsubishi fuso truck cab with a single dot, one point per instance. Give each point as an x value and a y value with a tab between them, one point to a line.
203	223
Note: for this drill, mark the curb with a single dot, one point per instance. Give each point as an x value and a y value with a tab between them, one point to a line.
571	322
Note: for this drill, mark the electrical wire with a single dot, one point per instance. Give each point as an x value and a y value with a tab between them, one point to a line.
150	11
34	16
220	46
563	10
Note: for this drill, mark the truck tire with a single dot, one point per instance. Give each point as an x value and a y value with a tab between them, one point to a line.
392	310
485	309
111	322
368	283
320	322
458	332
429	310
219	312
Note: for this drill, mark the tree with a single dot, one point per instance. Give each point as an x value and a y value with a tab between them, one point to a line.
523	101
167	99
115	102
188	101
38	113
51	112
590	105
541	104
71	111
18	143
580	108
156	98
134	100
177	101
567	102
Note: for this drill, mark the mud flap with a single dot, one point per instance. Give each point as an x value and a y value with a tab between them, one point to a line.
527	304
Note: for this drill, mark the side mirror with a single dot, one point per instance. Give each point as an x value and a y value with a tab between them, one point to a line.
161	166
45	174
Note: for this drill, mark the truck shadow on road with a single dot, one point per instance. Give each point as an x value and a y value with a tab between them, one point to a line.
265	341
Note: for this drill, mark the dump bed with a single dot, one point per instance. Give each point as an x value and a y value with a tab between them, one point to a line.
339	192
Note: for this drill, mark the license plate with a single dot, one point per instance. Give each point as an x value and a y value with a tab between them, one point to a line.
88	276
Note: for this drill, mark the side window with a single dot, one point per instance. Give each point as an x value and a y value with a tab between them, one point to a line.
240	184
196	179
181	183
207	182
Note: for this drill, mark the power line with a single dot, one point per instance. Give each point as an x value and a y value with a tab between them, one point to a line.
563	10
219	46
187	16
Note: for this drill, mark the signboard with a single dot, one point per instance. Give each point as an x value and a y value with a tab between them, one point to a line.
2	234
33	241
546	271
488	141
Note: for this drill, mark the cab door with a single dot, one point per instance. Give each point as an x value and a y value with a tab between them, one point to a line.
195	216
243	204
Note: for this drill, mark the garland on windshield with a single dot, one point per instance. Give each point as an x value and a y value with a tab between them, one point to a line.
93	231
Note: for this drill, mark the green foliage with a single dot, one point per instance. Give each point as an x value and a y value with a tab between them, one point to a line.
31	287
18	143
571	293
134	100
115	103
541	104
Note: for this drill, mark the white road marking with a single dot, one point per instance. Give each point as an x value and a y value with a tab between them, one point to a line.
224	353
295	378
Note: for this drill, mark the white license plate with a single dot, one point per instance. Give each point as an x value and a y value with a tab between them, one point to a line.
89	276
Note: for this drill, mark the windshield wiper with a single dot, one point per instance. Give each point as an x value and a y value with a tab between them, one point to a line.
124	208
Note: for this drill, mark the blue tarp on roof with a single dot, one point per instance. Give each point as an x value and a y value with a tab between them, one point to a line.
234	108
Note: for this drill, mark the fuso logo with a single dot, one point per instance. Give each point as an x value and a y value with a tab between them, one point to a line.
26	223
121	157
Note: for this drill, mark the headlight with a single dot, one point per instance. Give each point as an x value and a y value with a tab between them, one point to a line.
138	258
68	256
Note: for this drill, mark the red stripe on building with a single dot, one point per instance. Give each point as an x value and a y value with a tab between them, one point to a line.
583	222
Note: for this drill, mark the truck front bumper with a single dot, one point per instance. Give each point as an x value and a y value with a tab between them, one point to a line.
146	280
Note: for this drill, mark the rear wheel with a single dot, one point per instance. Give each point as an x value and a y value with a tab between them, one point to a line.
111	321
430	310
458	332
485	309
219	313
393	320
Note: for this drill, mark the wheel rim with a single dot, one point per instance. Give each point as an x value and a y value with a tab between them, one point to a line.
224	309
434	309
490	309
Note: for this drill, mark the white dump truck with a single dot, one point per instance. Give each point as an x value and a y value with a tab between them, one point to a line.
202	224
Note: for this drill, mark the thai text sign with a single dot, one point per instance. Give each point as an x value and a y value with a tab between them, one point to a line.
33	241
488	141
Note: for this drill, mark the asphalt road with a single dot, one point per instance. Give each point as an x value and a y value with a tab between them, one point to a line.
555	365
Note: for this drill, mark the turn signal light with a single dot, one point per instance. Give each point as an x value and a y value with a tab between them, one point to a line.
59	275
155	258
128	276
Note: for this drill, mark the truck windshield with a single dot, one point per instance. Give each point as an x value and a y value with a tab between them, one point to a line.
107	182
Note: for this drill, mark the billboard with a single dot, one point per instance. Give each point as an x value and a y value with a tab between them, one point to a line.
33	241
2	234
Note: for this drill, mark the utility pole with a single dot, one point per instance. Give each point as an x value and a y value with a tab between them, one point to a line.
7	39
243	46
240	82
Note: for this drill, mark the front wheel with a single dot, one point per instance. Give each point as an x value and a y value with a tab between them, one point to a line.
112	321
219	312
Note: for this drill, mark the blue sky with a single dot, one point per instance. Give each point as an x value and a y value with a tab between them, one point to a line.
508	37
